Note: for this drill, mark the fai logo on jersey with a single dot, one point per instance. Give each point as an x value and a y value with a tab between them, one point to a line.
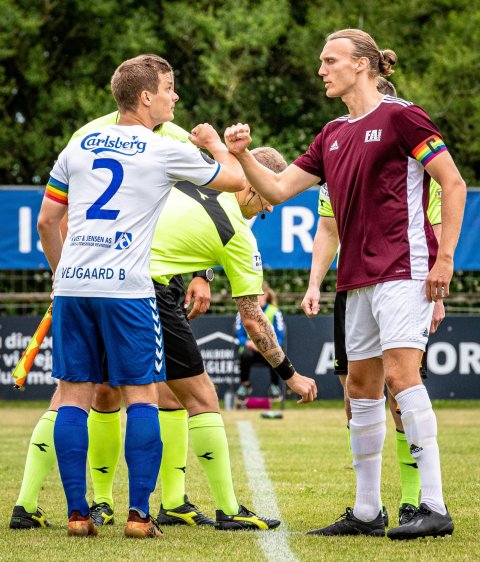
334	146
374	135
256	262
97	143
123	240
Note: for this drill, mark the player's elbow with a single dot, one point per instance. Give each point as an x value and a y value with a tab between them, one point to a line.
250	325
239	184
461	186
44	224
276	198
455	185
280	193
231	183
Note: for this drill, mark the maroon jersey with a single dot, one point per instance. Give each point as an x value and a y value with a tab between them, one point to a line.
379	191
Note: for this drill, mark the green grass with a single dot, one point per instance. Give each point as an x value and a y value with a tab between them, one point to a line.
307	459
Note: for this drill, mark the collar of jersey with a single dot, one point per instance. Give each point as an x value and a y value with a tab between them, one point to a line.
371	111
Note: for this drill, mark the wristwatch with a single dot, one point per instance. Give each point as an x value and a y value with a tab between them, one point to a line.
206	274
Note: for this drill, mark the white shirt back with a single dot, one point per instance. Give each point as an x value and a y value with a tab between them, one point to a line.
118	180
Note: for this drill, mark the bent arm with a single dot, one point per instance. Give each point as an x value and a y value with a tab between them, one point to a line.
230	176
259	329
262	334
275	188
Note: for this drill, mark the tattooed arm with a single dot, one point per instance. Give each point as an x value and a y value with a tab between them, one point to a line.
260	330
262	334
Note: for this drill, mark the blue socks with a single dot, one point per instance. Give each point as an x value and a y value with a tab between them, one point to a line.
143	453
71	443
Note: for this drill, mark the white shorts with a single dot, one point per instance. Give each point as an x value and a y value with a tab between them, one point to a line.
387	316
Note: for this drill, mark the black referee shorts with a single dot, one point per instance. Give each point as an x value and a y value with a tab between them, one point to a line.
182	356
341	361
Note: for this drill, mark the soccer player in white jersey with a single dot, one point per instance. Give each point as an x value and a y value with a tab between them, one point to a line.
115	182
377	162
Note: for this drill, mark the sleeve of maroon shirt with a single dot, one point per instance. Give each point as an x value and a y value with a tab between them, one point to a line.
312	161
418	134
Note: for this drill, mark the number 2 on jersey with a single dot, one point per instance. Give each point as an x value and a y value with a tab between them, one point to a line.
96	211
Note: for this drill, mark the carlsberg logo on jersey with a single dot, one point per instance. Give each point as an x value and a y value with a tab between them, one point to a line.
97	143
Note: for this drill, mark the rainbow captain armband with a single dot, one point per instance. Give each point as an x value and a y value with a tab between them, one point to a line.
57	191
428	149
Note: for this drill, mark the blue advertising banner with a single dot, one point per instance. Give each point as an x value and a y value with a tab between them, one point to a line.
20	246
453	357
285	238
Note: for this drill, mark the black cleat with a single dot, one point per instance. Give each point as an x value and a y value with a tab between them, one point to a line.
424	523
405	513
101	514
185	514
21	519
348	524
244	519
385	516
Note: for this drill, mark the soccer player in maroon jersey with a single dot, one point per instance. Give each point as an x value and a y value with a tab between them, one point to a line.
377	161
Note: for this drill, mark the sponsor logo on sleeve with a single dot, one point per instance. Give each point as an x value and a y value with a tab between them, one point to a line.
256	261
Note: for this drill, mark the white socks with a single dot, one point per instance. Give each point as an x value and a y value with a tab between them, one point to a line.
367	434
420	426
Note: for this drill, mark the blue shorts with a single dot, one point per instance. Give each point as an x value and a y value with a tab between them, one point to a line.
127	332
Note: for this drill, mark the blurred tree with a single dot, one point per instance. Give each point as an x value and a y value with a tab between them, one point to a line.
249	60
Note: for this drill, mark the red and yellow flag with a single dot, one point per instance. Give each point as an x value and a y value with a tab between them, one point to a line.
23	367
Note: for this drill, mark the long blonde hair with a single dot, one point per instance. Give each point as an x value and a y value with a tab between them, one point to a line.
381	62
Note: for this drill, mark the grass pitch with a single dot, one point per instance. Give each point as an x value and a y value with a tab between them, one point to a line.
307	460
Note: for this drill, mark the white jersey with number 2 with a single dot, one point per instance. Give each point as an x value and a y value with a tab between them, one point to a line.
115	182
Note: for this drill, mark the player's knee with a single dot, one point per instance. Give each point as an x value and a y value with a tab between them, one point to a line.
167	399
107	398
55	401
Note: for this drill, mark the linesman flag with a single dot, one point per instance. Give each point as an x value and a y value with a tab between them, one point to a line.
23	367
